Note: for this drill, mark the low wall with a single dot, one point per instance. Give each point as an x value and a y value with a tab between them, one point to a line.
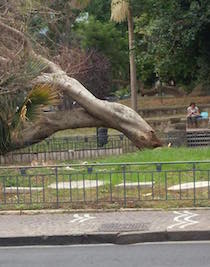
11	158
167	111
160	125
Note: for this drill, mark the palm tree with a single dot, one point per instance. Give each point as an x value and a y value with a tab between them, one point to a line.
120	11
30	110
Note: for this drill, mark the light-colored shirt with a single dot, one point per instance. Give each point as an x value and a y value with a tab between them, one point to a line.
192	112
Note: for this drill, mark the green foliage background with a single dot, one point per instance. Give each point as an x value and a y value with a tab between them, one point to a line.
172	39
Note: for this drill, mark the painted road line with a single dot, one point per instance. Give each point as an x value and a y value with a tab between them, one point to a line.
82	218
184	219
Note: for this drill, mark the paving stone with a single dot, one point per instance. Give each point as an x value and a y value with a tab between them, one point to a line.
77	184
21	190
67	224
141	184
191	185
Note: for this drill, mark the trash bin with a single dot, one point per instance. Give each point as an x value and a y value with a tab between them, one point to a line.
102	136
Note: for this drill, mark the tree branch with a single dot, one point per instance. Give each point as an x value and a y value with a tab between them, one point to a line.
51	122
117	116
97	112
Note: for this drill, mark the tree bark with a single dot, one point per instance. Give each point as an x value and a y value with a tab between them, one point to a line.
95	112
51	122
133	79
115	115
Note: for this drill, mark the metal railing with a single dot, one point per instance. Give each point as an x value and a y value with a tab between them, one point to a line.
61	149
96	185
69	148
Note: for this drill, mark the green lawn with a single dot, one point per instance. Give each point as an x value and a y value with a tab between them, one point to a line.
103	172
111	175
162	155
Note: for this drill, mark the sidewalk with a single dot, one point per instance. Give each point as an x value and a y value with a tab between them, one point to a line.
121	227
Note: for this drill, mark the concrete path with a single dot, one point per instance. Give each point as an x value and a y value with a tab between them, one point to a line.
110	227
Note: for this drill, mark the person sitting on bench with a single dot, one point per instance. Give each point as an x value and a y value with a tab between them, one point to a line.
193	115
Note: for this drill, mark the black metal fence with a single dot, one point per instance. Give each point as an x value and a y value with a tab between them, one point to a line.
61	149
96	185
175	138
70	148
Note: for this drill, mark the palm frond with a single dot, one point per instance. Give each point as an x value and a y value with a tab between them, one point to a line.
32	68
40	96
119	10
21	73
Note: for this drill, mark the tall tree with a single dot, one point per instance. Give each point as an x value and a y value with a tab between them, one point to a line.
175	42
120	11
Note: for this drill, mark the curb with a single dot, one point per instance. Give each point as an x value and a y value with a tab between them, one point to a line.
62	211
105	238
132	238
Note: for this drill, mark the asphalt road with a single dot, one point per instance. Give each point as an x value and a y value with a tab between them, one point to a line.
144	255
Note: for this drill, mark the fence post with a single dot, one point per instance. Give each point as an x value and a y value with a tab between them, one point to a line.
152	186
208	186
166	185
17	190
97	187
84	192
180	189
4	191
70	189
124	185
110	185
194	180
139	189
56	182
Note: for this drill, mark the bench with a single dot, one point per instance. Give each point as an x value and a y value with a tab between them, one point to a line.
201	122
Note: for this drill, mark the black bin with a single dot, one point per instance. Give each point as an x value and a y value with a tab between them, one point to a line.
102	136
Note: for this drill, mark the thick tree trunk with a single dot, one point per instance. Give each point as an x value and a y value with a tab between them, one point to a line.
51	122
95	112
133	80
114	115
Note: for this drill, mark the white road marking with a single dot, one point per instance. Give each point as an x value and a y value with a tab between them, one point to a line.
177	219
184	219
189	220
82	218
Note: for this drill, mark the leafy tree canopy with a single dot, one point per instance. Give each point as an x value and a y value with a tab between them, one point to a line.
174	34
107	39
172	40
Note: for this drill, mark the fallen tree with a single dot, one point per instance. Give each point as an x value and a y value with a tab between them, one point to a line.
93	112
